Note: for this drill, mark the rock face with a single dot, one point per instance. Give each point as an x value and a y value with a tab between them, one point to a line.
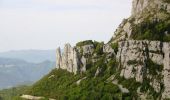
69	59
166	72
88	49
72	60
30	97
142	11
108	49
146	61
58	56
141	6
133	56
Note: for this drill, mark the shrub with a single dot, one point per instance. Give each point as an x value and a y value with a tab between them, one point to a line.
107	96
153	68
166	1
115	47
99	48
82	43
134	62
152	30
131	85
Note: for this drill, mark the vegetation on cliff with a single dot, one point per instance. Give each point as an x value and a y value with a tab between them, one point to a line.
156	30
63	85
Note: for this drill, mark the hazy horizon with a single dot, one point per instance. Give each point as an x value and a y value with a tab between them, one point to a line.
47	24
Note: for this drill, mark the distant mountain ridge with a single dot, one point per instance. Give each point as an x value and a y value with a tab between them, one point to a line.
33	56
15	72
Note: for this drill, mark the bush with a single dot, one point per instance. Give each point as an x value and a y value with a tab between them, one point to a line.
82	43
153	68
99	48
131	85
63	86
134	62
167	1
115	47
107	96
152	31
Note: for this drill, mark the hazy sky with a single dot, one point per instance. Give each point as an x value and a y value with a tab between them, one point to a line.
47	24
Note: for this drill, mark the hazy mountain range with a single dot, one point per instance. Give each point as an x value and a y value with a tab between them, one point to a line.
24	67
34	56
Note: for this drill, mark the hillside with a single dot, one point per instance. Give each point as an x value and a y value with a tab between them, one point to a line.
65	85
12	93
134	64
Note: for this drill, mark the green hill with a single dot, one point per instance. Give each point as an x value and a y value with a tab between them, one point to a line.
12	93
62	85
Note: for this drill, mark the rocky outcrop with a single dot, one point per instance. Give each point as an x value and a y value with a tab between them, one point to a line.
84	63
30	97
74	59
133	56
142	60
59	59
78	82
108	49
124	90
166	72
69	59
98	71
88	49
142	11
142	6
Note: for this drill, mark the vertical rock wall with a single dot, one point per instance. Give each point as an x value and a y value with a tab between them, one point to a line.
132	56
68	60
72	60
166	72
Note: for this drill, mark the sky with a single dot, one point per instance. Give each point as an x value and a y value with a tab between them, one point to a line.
48	24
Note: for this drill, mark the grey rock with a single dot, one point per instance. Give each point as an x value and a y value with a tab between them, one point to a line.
98	71
69	59
158	52
166	73
88	49
59	59
84	62
78	82
124	90
108	49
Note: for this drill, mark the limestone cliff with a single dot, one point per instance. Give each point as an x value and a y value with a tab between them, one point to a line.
143	40
75	59
146	61
145	6
69	59
140	45
145	14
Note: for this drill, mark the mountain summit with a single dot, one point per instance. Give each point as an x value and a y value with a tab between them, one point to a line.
150	20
